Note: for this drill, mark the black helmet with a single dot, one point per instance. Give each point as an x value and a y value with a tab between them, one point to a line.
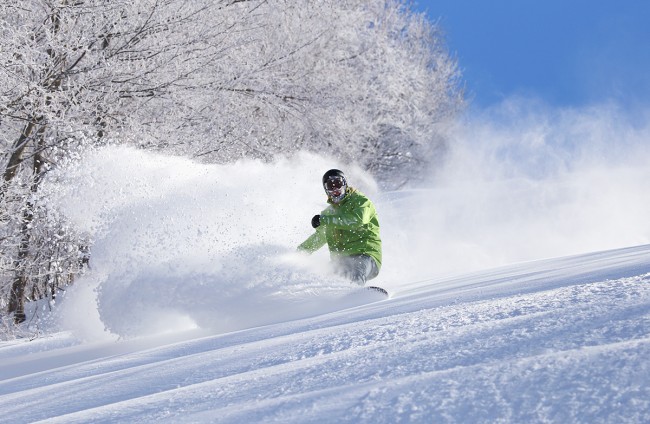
335	185
333	173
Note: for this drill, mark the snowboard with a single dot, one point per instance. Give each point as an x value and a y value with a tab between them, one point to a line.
358	296
377	289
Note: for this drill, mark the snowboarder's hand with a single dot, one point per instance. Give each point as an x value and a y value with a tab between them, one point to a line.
315	221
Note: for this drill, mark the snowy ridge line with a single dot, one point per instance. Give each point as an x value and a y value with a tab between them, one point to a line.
535	275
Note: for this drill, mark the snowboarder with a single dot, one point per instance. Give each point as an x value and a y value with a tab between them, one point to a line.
350	227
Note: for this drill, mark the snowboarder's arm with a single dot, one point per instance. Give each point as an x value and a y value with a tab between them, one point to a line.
314	242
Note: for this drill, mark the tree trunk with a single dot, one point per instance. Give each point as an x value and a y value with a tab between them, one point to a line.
21	279
17	299
19	146
17	295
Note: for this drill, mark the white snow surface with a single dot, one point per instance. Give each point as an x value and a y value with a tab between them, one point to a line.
561	340
198	309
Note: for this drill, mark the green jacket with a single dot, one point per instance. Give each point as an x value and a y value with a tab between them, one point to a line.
349	228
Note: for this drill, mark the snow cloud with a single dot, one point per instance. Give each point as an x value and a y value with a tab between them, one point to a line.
182	245
526	181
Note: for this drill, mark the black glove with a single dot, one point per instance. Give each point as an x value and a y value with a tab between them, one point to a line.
315	221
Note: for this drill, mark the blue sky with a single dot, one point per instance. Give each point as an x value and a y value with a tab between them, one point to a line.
564	52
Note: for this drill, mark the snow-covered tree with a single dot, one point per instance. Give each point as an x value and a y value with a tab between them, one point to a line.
367	81
73	73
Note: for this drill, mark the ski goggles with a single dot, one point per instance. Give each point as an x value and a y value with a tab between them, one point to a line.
334	183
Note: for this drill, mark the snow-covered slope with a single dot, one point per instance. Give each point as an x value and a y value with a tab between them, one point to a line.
198	309
560	340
